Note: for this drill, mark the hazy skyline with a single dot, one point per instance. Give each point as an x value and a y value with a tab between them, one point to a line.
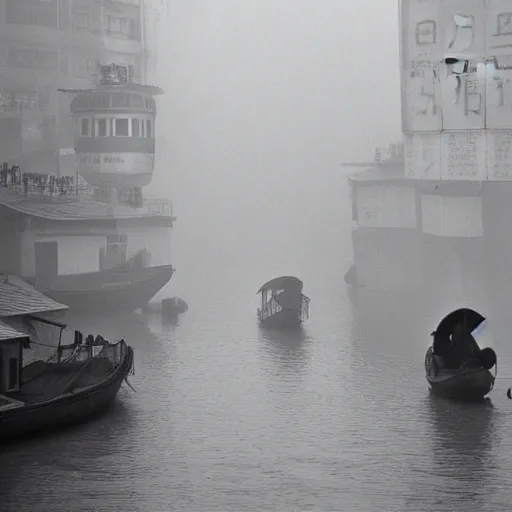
278	82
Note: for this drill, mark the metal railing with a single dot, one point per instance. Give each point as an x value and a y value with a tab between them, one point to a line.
38	185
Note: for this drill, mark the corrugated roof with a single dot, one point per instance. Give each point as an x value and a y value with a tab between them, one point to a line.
67	207
17	297
8	333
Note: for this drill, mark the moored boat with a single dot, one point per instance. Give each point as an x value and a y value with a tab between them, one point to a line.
78	381
455	366
283	305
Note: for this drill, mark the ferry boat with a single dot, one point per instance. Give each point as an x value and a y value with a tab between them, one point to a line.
283	305
94	242
446	196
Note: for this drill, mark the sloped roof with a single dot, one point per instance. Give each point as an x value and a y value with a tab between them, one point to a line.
8	333
283	282
17	297
67	208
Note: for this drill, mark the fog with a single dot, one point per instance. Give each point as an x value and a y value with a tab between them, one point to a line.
267	97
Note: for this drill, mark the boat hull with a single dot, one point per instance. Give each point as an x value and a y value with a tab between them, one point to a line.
107	291
68	409
285	319
463	385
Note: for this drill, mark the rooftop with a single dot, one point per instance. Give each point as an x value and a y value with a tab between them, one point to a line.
17	297
9	333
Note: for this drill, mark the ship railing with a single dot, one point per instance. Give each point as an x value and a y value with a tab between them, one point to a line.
40	185
271	308
47	186
158	206
304	308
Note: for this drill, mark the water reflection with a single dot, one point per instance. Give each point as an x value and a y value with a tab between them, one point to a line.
461	446
287	349
25	463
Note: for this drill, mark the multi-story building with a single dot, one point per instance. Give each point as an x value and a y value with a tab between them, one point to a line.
51	44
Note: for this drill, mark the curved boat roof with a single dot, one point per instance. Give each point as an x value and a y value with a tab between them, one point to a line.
283	282
470	318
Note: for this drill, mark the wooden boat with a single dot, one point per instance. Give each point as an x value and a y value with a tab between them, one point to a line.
455	366
78	381
283	305
108	290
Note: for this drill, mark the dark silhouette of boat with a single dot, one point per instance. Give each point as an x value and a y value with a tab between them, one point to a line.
108	290
283	305
455	366
78	381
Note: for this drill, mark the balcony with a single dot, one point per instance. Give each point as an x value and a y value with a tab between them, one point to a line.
55	189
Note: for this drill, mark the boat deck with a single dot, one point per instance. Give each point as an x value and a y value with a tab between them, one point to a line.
45	381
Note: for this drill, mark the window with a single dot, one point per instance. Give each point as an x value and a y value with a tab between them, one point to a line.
149	129
123	25
101	128
135	128
122	127
84	127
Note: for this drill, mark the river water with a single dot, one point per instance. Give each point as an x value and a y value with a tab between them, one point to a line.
226	417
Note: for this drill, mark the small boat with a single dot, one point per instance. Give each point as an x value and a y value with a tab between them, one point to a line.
78	381
283	305
455	366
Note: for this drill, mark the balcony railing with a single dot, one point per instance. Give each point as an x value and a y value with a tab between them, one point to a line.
43	186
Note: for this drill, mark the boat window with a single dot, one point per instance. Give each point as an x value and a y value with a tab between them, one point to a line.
101	127
122	128
84	128
135	128
149	130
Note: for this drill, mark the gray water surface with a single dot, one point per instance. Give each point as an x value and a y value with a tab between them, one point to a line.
226	417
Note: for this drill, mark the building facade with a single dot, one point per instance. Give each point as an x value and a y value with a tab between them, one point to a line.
51	44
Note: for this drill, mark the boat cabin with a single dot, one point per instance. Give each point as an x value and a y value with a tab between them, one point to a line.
282	298
12	343
19	303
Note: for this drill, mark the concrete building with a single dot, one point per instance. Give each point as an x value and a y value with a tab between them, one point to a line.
51	44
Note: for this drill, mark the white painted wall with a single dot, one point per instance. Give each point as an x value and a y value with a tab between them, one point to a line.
452	216
79	254
465	107
382	205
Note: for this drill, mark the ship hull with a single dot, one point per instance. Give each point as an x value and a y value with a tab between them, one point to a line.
285	319
111	290
466	385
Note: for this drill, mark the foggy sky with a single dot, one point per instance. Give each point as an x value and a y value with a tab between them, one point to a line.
264	99
264	82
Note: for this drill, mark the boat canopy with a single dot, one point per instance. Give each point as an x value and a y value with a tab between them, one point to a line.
17	297
282	283
469	318
8	333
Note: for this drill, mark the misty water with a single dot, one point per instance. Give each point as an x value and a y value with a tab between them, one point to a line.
228	417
